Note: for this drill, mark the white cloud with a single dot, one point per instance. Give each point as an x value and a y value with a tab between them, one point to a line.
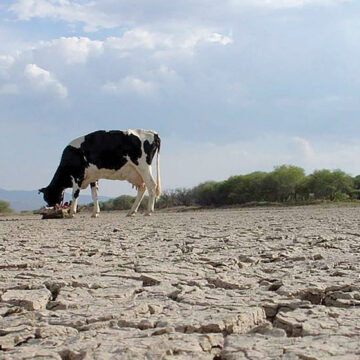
9	89
196	36
238	94
305	147
73	49
95	15
140	38
151	69
78	50
87	13
6	61
221	39
213	85
165	73
279	4
166	42
131	84
44	80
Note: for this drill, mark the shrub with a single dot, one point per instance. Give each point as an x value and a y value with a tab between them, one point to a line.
4	207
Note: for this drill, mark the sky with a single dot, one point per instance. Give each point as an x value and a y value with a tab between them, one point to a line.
231	86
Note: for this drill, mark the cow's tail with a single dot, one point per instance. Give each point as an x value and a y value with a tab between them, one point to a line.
158	181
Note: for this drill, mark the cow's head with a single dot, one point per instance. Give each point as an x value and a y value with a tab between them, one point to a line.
52	196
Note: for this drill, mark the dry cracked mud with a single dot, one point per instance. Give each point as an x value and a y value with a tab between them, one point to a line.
263	283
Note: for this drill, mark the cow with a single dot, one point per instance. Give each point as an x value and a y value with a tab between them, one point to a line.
116	155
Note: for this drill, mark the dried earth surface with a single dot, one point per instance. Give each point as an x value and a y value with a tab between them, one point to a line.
266	283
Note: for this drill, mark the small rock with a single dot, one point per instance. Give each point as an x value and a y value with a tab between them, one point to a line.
28	299
276	285
153	309
267	329
149	281
51	331
246	259
145	324
165	330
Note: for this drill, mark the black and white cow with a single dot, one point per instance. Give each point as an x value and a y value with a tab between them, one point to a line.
116	155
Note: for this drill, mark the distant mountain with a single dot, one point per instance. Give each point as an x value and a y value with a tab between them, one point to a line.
30	200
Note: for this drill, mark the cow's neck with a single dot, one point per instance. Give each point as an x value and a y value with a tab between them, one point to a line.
60	181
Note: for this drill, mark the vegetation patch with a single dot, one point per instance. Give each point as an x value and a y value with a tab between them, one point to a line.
5	207
285	185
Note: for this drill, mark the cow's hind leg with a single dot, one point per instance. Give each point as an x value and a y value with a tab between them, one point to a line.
139	197
75	195
94	195
151	186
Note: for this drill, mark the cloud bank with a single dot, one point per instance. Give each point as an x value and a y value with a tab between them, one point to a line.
43	80
231	86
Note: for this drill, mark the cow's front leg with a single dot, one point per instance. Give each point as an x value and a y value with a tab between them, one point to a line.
151	186
139	197
151	203
94	195
75	195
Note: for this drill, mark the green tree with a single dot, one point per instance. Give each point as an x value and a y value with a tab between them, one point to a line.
356	182
166	200
330	185
254	186
343	183
183	197
230	191
177	197
283	183
320	184
123	202
4	207
241	189
303	191
205	193
356	191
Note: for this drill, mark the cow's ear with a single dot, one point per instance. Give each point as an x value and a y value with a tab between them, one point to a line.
42	190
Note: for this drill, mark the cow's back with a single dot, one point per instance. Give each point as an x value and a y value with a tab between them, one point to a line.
109	149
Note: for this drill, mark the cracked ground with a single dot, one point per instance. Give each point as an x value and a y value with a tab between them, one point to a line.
263	283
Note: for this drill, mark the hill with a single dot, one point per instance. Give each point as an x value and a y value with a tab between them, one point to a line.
30	199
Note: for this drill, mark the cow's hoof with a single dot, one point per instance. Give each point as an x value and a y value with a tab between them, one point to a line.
148	214
130	214
71	216
95	215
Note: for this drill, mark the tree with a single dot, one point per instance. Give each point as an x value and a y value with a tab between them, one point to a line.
356	182
177	197
230	191
123	202
205	193
254	186
303	191
356	191
4	207
183	197
320	184
343	184
331	185
283	183
241	189
166	200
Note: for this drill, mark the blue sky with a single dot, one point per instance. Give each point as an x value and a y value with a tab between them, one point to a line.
231	86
